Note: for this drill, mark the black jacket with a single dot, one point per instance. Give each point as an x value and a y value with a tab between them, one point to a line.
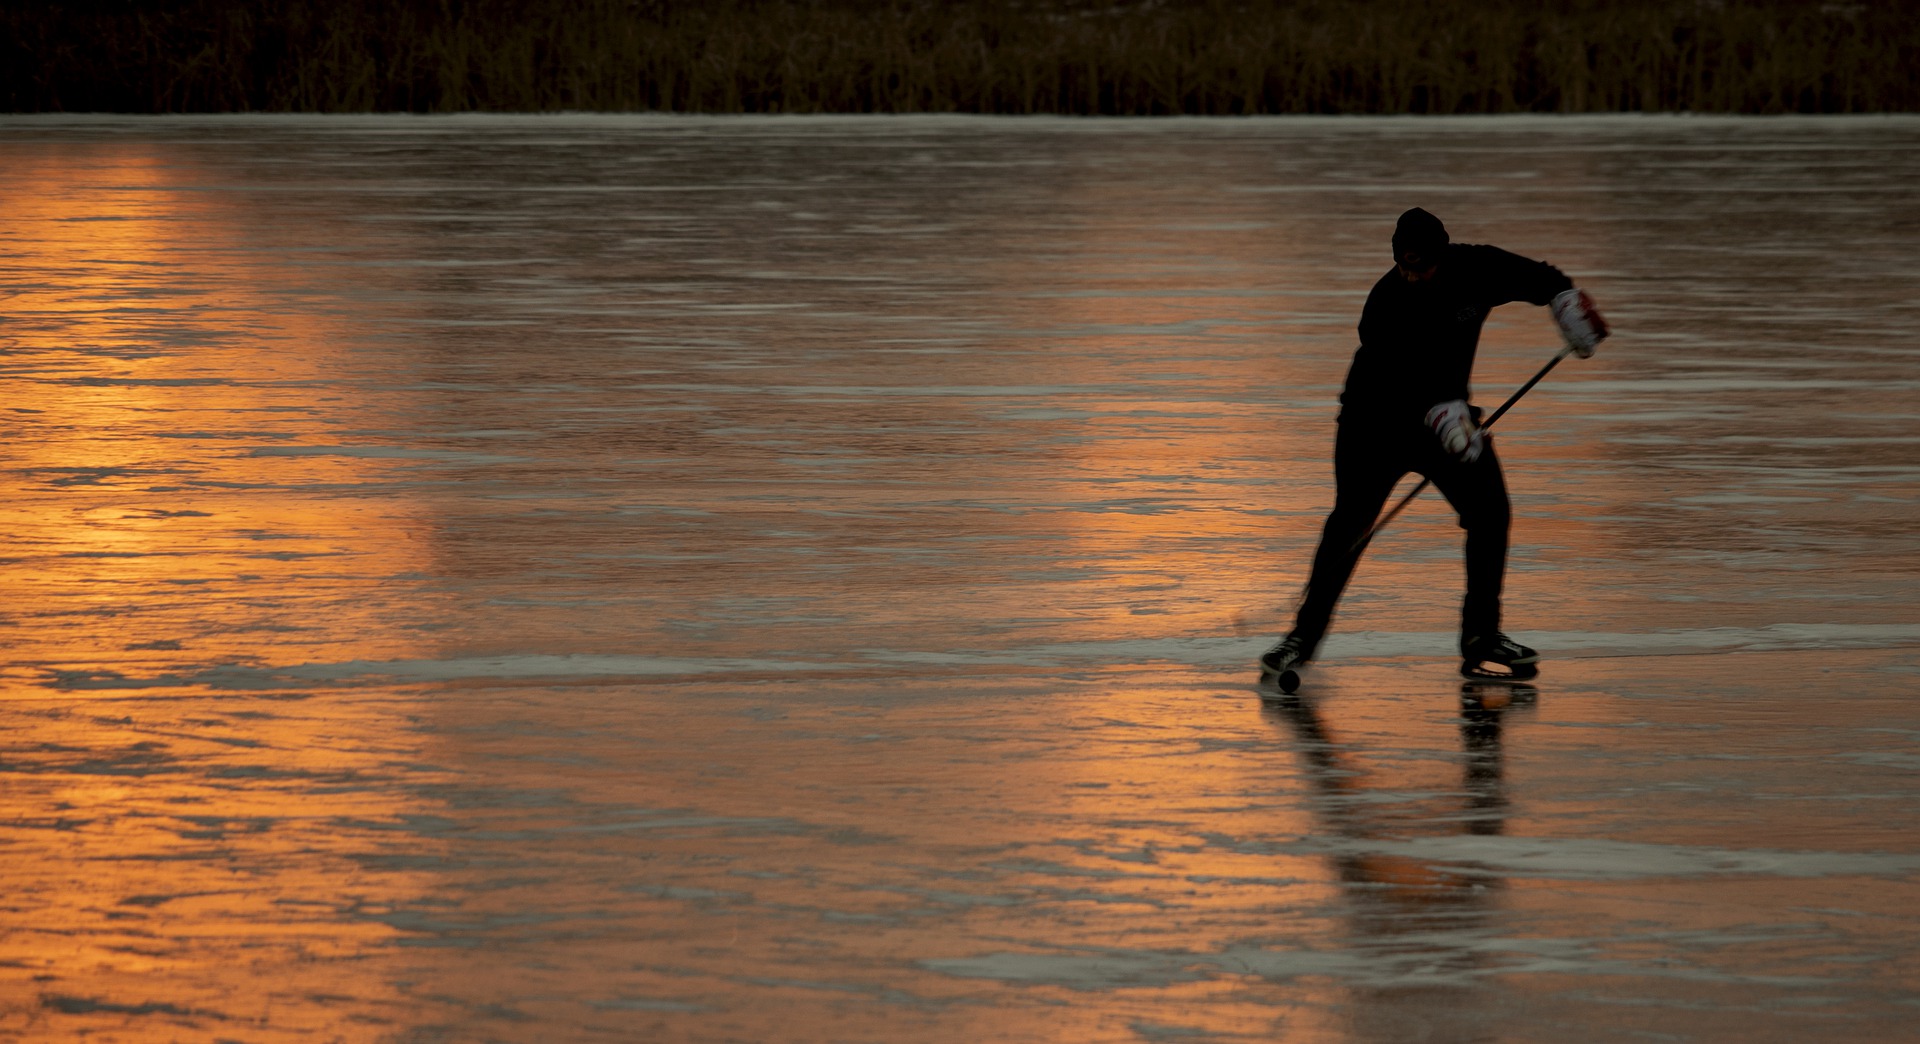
1417	339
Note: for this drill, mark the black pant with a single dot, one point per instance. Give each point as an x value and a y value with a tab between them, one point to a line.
1368	458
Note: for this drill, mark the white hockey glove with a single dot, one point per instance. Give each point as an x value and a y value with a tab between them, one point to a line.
1459	435
1580	322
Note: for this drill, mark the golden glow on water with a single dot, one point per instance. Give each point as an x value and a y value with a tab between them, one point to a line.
165	401
187	865
201	860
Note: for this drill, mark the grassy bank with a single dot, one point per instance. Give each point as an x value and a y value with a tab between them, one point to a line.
1090	56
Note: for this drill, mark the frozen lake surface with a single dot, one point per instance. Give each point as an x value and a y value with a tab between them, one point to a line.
569	579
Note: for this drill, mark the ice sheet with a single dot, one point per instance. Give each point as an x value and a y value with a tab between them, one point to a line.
584	578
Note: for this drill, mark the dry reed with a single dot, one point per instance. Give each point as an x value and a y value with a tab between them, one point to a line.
1124	57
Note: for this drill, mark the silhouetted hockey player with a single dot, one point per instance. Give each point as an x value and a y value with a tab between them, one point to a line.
1405	409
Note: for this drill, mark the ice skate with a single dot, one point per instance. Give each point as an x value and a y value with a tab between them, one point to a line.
1497	658
1282	664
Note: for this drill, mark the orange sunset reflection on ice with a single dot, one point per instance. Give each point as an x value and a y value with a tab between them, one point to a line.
162	489
152	535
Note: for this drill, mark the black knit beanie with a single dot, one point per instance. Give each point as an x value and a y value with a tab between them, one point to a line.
1419	232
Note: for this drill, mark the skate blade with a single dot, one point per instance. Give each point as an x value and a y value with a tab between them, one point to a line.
1486	672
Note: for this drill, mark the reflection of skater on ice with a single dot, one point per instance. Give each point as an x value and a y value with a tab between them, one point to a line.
1334	774
1405	409
1413	909
1483	706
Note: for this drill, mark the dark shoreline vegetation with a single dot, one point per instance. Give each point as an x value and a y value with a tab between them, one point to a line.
1112	57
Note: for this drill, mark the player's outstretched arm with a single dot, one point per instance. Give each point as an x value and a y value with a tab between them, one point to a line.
1509	277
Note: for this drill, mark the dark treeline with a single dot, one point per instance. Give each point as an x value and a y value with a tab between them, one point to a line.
1064	56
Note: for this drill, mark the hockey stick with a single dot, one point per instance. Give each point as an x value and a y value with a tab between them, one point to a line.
1244	622
1361	544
